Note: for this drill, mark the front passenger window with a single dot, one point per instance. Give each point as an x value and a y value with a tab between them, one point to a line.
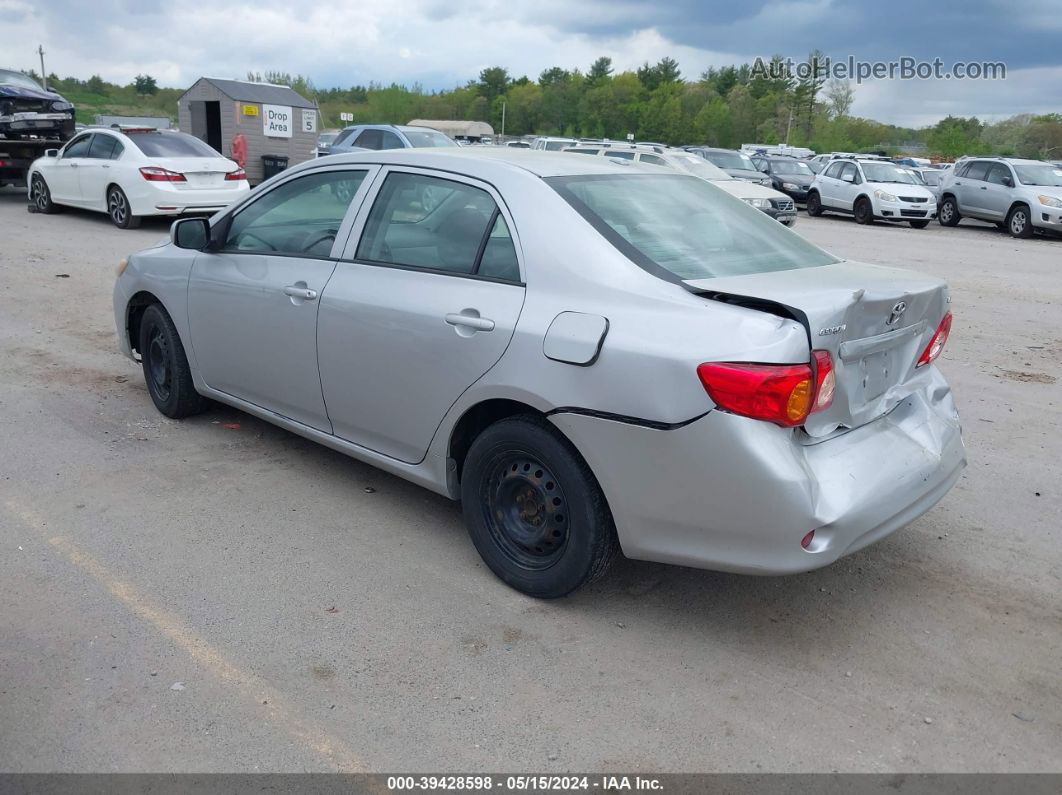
301	217
79	147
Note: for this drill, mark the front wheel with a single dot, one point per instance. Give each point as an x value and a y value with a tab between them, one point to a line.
41	196
119	210
919	224
948	215
1019	224
534	510
166	371
814	205
864	213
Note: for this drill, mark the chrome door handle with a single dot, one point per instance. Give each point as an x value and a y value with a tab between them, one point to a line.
470	321
300	292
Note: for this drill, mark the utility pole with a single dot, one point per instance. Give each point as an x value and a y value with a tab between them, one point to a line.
789	127
44	74
503	124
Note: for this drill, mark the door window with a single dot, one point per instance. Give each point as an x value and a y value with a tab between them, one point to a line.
79	147
849	171
977	170
834	170
656	161
388	140
436	224
103	147
370	139
301	217
997	173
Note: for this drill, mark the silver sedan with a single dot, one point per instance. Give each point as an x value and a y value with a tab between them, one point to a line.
592	356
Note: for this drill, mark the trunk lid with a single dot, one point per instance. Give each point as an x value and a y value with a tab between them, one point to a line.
199	172
874	321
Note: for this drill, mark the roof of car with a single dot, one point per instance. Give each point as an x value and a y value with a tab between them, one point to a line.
483	160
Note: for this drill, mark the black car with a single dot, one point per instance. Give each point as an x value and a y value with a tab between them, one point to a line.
28	110
789	175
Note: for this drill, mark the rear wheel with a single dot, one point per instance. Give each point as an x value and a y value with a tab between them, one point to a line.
949	213
919	224
1019	223
166	371
814	204
534	510
119	210
864	212
41	196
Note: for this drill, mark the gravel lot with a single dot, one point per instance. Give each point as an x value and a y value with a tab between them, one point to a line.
220	595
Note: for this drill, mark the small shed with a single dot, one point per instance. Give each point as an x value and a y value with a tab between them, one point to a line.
274	120
468	130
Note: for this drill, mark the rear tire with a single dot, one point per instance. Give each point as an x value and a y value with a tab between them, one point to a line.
1019	221
919	224
166	371
948	215
534	509
119	210
41	196
864	212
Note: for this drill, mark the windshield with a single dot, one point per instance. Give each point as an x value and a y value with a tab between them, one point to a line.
1040	175
19	79
795	168
734	160
159	144
428	138
676	226
887	172
699	167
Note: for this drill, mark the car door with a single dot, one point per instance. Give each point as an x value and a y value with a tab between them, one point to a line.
63	177
97	171
995	193
848	186
968	187
828	182
423	303
253	295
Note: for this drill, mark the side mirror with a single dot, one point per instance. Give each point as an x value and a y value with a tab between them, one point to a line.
51	153
190	233
1008	182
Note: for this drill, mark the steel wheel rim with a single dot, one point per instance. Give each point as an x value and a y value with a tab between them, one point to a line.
118	207
158	360
526	511
1017	222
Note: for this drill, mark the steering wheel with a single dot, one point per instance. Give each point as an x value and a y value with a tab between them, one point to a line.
253	236
320	237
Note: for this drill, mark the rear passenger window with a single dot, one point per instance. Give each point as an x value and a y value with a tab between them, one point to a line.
977	170
418	221
388	140
370	139
103	146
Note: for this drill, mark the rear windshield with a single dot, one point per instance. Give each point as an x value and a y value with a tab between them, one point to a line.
679	227
428	138
159	144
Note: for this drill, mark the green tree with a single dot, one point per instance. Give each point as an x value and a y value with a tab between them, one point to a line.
145	84
95	85
600	70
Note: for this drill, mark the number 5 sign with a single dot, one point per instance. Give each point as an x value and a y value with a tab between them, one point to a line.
309	121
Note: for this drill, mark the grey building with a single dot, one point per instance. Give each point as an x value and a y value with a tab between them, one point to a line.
274	120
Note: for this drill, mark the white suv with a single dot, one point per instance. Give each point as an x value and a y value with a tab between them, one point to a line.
1017	195
871	190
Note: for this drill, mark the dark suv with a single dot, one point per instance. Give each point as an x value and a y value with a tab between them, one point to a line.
789	175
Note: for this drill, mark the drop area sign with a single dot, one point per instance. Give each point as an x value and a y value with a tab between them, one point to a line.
277	121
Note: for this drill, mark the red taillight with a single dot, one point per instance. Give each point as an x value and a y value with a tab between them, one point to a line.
238	174
805	542
936	345
784	394
156	174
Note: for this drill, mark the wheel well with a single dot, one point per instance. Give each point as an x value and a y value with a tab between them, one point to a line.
134	312
476	420
944	196
1019	204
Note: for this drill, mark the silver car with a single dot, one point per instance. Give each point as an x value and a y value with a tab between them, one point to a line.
591	357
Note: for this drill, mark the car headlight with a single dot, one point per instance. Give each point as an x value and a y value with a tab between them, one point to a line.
1050	201
762	204
884	196
62	105
790	186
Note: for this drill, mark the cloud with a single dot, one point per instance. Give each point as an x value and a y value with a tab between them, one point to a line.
439	44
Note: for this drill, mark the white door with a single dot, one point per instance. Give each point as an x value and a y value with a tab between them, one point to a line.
99	170
63	176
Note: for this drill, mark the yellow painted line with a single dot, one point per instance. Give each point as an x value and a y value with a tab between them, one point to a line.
184	637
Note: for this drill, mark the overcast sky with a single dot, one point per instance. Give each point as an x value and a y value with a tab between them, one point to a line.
443	43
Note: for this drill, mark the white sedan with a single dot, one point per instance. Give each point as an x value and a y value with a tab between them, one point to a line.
132	173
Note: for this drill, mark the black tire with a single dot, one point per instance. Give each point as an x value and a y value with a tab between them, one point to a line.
166	371
41	195
919	224
534	510
864	211
1019	221
118	209
814	204
948	214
